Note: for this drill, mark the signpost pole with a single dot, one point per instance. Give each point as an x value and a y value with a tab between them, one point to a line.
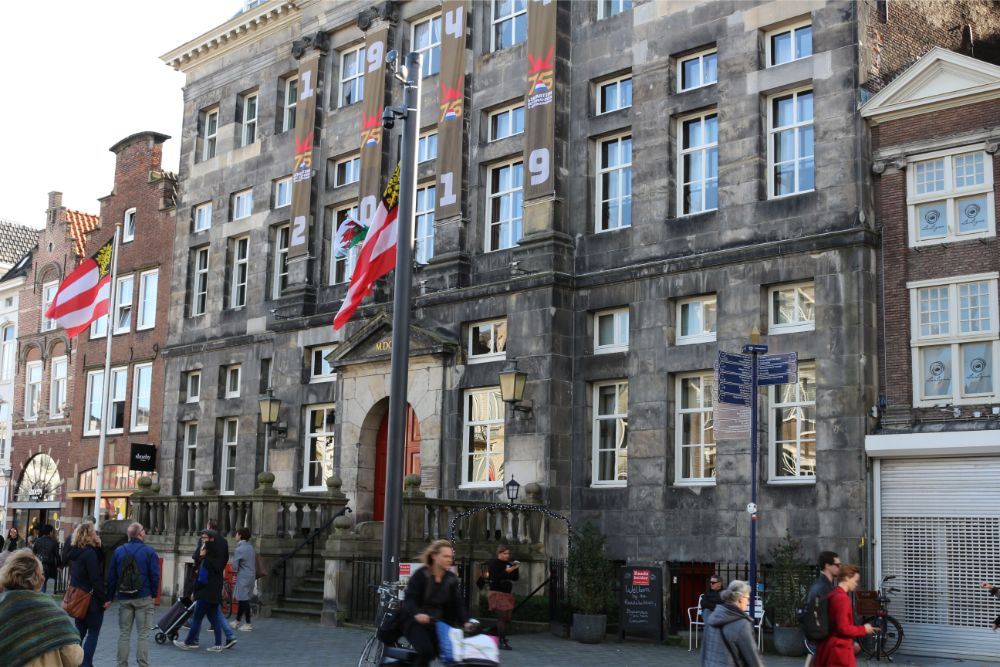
753	480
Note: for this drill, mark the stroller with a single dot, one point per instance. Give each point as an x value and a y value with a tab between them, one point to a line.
169	625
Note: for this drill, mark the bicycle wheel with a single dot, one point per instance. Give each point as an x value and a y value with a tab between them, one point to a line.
889	635
371	654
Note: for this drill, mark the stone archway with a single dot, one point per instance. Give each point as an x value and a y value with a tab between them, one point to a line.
372	447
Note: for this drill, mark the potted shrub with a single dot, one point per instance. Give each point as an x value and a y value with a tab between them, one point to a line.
589	581
788	583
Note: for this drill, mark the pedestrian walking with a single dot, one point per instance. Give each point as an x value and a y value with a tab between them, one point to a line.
713	596
14	542
47	550
134	579
34	630
995	592
245	563
729	634
208	592
837	650
828	563
219	545
503	574
84	560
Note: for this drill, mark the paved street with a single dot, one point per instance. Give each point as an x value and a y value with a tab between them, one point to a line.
298	644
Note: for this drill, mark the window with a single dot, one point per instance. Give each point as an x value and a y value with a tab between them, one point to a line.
695	430
487	341
510	23
427	147
789	43
142	387
319	446
697	70
505	198
192	386
320	369
128	226
210	130
950	197
230	437
283	192
248	106
347	171
99	327
696	320
8	352
291	97
190	457
57	393
614	95
32	390
611	331
614	184
280	281
48	296
790	144
483	439
954	334
199	281
264	375
119	389
238	272
507	122
793	308
342	266
424	225
203	217
608	8
123	306
232	380
427	42
95	398
242	205
610	431
5	434
148	281
698	163
352	77
792	428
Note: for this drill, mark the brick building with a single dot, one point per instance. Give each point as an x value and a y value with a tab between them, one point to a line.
935	130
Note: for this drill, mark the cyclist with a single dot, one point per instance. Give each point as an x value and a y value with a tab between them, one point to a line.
829	567
837	650
995	592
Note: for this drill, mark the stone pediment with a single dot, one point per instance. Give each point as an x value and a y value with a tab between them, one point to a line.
373	342
938	80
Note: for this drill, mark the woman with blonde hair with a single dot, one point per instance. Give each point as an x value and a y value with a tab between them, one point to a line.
86	573
432	595
34	631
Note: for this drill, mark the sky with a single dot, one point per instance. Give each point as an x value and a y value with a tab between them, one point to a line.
76	78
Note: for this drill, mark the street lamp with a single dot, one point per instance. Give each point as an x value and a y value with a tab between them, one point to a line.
269	409
512	487
512	387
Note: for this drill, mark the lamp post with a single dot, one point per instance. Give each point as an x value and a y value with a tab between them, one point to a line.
269	409
512	488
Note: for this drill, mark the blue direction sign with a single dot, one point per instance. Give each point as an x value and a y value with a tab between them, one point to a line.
778	369
734	378
759	349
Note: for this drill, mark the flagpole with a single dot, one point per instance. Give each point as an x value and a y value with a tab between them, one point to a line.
105	399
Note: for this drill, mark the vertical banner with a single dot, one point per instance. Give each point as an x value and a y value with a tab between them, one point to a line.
371	123
540	112
305	144
451	137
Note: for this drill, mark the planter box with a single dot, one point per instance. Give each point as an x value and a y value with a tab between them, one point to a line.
589	629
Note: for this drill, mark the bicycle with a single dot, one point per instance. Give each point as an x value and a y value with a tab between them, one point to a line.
389	599
888	632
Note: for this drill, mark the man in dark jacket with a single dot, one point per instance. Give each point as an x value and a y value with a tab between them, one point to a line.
713	596
135	606
47	551
208	591
829	567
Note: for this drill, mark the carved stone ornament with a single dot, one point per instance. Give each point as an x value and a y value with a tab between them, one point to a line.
992	145
878	167
383	11
319	41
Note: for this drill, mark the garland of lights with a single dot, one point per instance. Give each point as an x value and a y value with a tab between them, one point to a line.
514	507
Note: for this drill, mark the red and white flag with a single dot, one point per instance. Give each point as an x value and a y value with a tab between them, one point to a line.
378	254
85	293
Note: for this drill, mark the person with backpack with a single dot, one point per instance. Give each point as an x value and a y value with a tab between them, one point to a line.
134	578
47	551
813	616
729	633
837	650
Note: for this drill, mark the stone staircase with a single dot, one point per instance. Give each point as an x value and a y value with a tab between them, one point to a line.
305	601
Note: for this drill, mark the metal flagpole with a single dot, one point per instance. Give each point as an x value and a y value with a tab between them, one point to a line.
105	399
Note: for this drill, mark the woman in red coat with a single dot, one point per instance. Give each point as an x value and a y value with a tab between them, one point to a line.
837	650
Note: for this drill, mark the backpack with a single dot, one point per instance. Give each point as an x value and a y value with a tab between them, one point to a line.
130	579
815	618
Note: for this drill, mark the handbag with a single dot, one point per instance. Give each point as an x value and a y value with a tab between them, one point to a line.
259	566
202	579
391	628
76	602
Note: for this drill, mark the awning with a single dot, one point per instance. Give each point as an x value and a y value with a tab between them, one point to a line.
104	494
947	443
29	505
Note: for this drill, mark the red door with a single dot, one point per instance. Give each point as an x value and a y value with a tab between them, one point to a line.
693	581
412	460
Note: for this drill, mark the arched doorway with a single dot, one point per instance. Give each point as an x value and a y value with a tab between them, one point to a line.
412	456
37	501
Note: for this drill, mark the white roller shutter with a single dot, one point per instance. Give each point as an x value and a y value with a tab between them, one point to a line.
940	534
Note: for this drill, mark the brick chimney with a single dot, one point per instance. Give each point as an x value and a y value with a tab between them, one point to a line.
52	213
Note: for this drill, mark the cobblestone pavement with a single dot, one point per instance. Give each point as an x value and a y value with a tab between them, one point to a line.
285	643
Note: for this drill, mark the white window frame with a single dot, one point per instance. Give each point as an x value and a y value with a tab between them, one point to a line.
790	28
242	204
496	24
950	196
468	424
354	81
8	351
331	443
290	91
57	387
190	397
680	445
239	272
427	146
230	443
51	287
352	171
279	267
142	396
428	65
495	341
514	193
423	227
6	424
505	116
772	429
146	317
623	172
797	126
620	322
210	140
621	434
33	390
128	226
94	402
619	104
233	370
703	336
99	327
283	185
706	149
117	373
319	354
799	325
203	217
248	129
953	339
122	308
189	460
199	281
608	8
700	57
351	260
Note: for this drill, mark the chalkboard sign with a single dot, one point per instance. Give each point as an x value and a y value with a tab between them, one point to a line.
641	601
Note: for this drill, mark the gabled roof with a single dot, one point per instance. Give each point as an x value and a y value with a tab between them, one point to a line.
368	343
20	268
15	241
940	79
80	224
